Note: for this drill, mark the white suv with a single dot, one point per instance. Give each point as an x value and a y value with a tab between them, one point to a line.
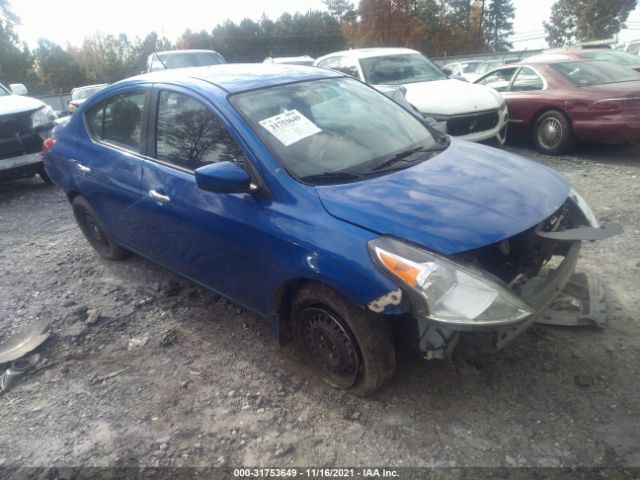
472	112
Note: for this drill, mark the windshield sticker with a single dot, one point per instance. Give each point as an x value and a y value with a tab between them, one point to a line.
290	127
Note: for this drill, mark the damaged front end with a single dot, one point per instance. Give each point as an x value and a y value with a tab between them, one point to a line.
502	288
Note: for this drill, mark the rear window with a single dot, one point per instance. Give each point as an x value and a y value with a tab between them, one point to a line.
591	72
191	59
622	58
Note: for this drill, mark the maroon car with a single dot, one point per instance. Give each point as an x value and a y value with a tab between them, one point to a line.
557	103
621	58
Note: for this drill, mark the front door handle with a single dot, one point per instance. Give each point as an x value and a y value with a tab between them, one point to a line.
158	197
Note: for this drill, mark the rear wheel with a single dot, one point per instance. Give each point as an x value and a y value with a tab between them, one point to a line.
350	348
553	134
94	230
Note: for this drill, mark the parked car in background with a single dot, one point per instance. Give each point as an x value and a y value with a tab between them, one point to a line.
24	123
471	70
302	60
556	103
79	95
171	59
632	47
468	111
603	54
323	206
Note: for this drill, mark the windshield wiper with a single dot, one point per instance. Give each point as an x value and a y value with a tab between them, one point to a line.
404	157
331	177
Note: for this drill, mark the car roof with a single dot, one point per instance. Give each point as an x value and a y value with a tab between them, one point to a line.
238	77
371	52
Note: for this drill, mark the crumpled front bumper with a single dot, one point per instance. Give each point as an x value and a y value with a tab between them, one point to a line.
21	166
437	341
540	293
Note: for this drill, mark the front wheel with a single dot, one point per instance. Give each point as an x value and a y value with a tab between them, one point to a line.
553	134
94	230
350	348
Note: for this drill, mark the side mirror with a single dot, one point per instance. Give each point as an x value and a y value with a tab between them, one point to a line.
447	71
18	89
223	177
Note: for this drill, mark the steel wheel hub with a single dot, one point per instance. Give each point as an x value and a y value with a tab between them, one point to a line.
330	345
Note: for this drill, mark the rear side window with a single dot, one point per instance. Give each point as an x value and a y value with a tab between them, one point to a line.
118	120
189	135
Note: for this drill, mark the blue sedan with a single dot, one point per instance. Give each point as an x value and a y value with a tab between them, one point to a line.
318	203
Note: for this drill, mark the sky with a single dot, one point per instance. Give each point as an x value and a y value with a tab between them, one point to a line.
69	21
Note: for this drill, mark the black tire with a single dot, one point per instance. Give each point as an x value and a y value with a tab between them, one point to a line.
44	176
350	348
94	231
553	134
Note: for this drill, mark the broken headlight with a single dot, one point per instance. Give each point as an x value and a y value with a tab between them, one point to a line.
445	291
43	117
584	207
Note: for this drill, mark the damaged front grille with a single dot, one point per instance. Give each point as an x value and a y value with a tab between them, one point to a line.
520	258
17	137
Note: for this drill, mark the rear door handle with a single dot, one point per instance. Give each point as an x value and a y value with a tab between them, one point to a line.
159	197
82	168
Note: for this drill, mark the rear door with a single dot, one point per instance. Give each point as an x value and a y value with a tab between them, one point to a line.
108	167
212	238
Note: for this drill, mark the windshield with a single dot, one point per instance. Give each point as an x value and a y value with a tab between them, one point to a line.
399	69
592	72
85	93
622	58
333	128
191	59
4	91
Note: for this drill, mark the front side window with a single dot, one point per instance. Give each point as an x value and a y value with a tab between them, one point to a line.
326	130
189	135
399	69
527	80
118	120
499	80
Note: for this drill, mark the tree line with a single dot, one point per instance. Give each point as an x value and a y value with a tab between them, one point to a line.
434	27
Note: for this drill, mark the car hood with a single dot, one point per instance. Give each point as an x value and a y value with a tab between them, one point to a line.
467	197
17	104
450	97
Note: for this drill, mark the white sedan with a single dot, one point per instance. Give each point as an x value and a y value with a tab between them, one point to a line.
472	112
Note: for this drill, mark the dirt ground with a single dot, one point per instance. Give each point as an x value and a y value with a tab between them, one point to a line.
172	375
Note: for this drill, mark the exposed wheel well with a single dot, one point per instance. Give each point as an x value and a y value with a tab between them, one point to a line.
72	195
283	302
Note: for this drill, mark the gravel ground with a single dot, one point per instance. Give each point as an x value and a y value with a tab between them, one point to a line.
172	375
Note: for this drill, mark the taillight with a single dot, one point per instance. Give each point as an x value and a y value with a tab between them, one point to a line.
47	144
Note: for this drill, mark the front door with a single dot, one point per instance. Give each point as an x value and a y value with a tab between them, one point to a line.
209	237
